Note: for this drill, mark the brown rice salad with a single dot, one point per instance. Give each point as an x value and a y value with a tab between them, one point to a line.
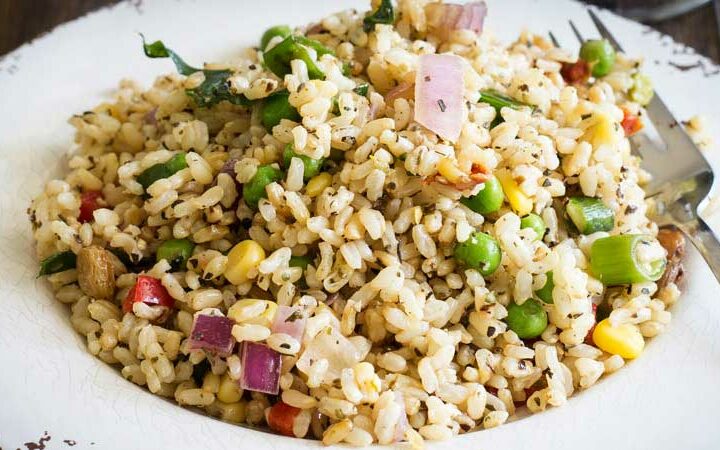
383	227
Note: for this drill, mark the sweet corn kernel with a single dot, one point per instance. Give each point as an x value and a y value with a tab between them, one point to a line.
603	130
242	258
253	311
624	340
448	169
211	383
229	391
232	412
317	184
520	202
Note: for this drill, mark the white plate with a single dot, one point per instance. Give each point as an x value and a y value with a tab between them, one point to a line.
48	382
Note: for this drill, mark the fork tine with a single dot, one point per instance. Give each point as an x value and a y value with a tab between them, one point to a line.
553	39
604	32
576	32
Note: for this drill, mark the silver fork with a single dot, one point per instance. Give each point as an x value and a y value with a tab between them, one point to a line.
682	178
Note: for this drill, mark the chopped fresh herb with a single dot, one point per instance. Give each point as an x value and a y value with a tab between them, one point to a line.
346	69
384	14
57	262
213	90
362	89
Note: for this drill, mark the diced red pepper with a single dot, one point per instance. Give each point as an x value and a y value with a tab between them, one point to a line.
576	72
281	418
631	123
150	291
88	204
588	337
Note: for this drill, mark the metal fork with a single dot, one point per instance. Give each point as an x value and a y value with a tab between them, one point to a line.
682	178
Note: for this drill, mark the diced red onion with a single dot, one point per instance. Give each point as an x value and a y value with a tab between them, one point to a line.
444	18
439	95
403	423
212	334
289	320
261	368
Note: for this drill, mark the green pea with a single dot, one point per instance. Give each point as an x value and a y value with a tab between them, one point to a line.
300	261
536	223
312	166
278	30
489	199
277	107
176	252
545	292
642	90
480	251
254	189
528	320
600	55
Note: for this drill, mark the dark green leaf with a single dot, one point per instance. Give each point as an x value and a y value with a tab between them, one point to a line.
362	89
384	14
57	262
213	90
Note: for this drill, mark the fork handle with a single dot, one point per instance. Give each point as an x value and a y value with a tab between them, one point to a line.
705	241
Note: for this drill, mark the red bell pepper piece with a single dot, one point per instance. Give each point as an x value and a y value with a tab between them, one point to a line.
88	204
150	291
281	418
631	123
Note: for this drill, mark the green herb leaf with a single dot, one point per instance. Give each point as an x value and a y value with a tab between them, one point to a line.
362	89
213	90
384	14
57	262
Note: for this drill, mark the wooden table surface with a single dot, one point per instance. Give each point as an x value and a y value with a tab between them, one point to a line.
23	20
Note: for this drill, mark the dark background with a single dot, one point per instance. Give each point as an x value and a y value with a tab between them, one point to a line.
22	20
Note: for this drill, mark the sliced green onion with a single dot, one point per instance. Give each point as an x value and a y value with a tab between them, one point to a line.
642	90
162	170
536	223
624	259
545	292
57	262
176	252
590	215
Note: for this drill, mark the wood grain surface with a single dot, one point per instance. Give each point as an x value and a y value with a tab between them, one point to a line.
23	20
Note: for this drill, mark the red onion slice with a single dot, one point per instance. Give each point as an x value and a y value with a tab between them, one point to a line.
261	368
444	18
212	334
439	95
289	320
